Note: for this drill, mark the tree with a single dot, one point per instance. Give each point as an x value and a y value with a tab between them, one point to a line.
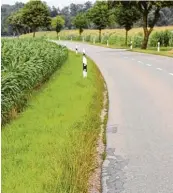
87	6
35	15
6	11
57	23
53	11
75	9
126	16
67	17
16	21
100	15
80	22
146	7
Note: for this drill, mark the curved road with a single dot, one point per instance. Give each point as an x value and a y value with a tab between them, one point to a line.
140	126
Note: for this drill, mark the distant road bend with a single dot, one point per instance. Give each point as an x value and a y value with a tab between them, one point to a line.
140	126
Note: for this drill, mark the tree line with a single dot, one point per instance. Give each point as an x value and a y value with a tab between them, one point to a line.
36	15
68	12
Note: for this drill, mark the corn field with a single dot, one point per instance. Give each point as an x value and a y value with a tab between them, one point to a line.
26	64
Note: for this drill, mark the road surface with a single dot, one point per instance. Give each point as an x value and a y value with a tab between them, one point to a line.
140	125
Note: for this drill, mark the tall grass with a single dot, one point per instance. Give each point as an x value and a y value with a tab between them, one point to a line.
26	63
50	148
115	37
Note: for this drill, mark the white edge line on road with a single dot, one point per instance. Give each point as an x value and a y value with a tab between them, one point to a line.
159	69
148	64
140	62
171	74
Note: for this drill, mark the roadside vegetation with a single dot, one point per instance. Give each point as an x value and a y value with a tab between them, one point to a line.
116	38
26	64
51	146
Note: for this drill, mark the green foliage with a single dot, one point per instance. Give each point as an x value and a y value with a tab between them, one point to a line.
51	146
80	22
146	8
16	21
36	14
100	15
126	16
164	37
137	41
26	64
6	11
153	8
57	23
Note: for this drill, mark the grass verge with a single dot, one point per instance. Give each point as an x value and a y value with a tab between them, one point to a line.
168	53
50	147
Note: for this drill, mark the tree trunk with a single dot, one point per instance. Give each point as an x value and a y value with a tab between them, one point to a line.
145	41
147	31
126	38
33	33
80	31
146	38
99	35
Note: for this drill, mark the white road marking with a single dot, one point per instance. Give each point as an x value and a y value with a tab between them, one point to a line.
148	64
125	57
171	74
159	69
133	59
140	62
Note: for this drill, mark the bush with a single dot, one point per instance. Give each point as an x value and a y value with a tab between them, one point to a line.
87	38
137	41
113	39
104	39
164	37
27	63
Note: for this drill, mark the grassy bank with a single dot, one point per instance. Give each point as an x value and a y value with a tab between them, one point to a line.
50	147
163	52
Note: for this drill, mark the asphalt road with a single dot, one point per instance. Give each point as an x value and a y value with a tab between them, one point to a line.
140	125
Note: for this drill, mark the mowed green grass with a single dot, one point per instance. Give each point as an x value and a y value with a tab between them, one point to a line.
162	52
50	147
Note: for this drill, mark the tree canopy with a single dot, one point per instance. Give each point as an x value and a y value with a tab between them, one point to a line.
80	22
57	23
100	15
36	14
126	16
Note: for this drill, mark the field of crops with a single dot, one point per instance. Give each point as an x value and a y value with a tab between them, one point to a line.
26	64
116	36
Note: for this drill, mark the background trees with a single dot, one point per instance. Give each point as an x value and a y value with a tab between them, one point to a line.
100	15
80	22
150	14
36	14
57	23
126	15
151	8
6	11
16	22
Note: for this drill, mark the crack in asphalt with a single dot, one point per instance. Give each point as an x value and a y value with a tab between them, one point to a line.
113	172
